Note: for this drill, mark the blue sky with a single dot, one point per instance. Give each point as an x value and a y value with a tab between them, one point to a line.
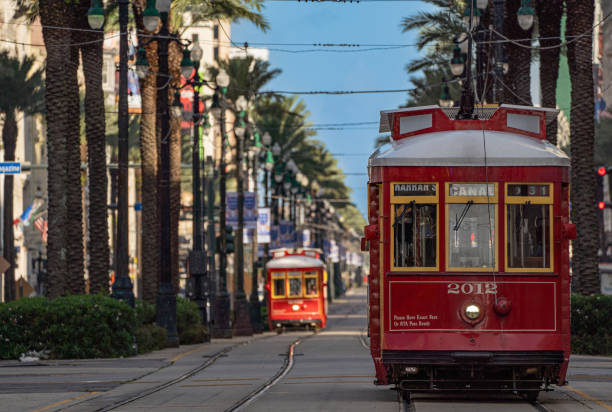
362	23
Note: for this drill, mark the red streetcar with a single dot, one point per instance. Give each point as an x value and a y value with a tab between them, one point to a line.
468	236
297	286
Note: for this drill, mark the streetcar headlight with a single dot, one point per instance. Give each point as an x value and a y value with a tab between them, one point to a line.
472	312
295	307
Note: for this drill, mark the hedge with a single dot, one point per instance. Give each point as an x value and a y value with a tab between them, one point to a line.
592	324
83	326
90	326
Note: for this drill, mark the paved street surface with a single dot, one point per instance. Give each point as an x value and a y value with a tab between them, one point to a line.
295	371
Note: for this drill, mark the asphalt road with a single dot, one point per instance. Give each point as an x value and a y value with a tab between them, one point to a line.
296	371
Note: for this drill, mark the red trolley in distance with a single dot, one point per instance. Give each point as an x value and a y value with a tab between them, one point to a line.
468	237
297	289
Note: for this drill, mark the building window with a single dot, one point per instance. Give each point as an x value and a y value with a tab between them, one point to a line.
216	32
216	53
528	227
414	226
471	210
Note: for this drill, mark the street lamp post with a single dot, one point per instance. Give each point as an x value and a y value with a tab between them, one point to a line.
242	324
197	256
122	287
222	323
254	305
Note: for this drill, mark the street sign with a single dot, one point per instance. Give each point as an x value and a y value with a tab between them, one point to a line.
4	264
10	168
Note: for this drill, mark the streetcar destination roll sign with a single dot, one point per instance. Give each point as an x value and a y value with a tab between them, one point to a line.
414	189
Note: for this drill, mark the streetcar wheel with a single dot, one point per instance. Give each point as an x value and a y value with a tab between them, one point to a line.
530	396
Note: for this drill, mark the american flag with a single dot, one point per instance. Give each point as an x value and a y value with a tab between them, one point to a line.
43	226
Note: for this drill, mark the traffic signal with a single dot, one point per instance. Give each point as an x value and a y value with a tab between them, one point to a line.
229	239
602	178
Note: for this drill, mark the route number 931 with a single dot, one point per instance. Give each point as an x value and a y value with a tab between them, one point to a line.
471	288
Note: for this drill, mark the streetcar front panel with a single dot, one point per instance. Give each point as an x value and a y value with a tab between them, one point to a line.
469	267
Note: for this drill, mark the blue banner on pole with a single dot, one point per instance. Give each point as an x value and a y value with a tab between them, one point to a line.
10	168
250	211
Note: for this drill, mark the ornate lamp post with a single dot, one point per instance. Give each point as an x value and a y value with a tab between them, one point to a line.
122	287
223	327
254	304
197	256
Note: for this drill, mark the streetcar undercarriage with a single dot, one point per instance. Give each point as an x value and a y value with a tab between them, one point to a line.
526	373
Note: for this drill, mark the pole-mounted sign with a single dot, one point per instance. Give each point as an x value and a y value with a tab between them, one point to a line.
10	168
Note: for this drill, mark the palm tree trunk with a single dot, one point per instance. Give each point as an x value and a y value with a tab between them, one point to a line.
9	139
549	59
74	223
518	79
174	66
53	13
149	153
95	130
584	215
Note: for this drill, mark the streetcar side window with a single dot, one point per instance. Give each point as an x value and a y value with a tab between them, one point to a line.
311	288
471	226
414	235
414	226
295	284
528	227
278	285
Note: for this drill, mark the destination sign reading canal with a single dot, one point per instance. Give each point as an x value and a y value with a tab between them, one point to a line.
471	189
414	189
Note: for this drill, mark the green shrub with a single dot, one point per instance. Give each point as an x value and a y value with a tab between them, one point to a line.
189	322
592	324
150	337
145	312
83	326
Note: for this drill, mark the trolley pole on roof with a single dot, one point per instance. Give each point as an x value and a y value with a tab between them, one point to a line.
498	13
466	108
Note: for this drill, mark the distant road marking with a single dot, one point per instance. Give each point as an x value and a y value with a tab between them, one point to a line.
76	398
589	397
180	355
216	384
228	380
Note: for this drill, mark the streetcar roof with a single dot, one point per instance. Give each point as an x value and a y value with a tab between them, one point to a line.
294	261
467	148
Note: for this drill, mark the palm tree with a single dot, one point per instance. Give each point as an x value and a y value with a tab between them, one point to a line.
55	15
585	262
549	27
518	79
95	132
22	87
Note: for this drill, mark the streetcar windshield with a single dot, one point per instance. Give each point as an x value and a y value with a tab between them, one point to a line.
295	284
414	235
278	285
528	228
471	235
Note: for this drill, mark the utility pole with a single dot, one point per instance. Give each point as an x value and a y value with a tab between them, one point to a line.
498	13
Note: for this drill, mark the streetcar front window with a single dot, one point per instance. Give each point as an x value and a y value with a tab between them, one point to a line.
295	284
528	236
414	235
528	227
471	236
311	284
278	285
